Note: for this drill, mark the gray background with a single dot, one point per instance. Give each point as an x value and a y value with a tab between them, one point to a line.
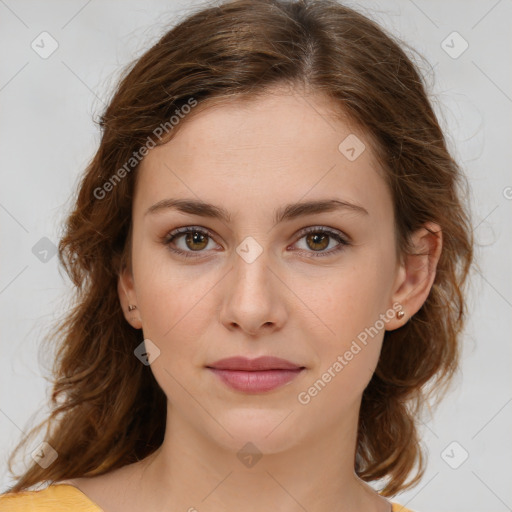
47	137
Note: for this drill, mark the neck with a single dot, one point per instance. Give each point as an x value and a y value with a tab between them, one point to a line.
190	472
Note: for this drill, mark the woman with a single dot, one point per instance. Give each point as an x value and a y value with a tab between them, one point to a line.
269	250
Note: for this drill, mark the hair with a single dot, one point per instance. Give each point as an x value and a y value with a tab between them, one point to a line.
107	409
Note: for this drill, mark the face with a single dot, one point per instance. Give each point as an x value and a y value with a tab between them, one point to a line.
316	288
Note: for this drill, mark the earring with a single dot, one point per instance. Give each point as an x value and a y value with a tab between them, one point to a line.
131	307
400	314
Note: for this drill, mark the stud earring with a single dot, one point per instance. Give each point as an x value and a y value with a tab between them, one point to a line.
400	314
131	307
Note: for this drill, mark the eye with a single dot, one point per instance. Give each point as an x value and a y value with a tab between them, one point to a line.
194	240
318	239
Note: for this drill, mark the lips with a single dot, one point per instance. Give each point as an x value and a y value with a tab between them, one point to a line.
255	375
258	364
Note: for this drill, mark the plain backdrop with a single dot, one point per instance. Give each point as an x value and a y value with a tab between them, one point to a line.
47	137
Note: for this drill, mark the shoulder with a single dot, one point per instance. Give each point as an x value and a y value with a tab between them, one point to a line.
399	508
54	498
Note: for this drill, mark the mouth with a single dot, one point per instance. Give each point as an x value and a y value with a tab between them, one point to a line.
263	363
255	375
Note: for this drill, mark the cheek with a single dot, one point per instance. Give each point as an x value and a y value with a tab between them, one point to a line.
347	300
350	305
173	300
347	353
176	314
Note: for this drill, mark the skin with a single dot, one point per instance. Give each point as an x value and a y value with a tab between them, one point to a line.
252	158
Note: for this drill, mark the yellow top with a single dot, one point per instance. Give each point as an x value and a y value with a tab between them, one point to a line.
65	497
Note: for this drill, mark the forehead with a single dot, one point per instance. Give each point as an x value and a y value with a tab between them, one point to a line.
282	146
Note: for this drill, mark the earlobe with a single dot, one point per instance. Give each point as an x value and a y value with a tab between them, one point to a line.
416	273
127	299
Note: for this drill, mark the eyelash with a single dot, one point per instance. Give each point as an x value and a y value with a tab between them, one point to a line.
170	237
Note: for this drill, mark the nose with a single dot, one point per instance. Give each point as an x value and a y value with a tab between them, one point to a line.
253	297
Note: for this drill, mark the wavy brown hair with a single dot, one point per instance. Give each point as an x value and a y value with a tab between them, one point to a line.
107	410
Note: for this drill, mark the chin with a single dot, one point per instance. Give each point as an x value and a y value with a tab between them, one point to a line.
269	430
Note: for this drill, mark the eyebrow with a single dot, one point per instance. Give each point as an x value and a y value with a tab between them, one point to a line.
285	213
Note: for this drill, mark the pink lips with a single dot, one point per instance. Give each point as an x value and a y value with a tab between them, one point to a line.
255	375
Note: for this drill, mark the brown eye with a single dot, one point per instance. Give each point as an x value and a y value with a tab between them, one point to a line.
191	241
188	241
197	239
317	241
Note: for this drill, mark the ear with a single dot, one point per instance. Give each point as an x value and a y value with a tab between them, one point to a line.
416	273
127	297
